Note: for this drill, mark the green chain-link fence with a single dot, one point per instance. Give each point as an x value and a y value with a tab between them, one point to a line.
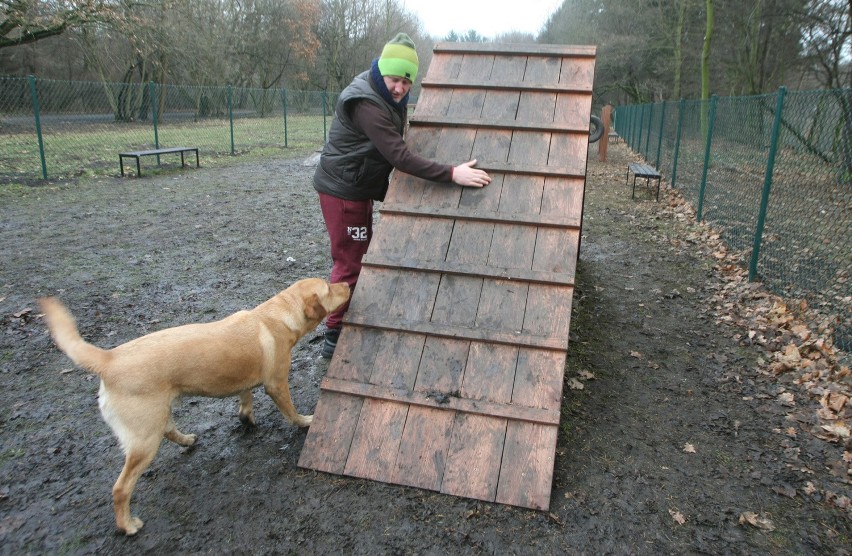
774	174
60	129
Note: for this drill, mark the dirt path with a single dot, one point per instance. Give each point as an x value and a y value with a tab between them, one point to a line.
671	433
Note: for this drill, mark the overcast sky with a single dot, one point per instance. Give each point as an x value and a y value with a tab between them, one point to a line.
486	17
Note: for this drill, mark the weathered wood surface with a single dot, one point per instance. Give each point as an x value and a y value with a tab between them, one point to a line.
448	373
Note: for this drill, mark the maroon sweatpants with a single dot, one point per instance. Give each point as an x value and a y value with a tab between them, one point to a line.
350	228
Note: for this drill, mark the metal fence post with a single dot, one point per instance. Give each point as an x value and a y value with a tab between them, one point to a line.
767	185
660	139
711	121
37	115
680	109
231	116
152	89
647	151
284	101
634	117
324	116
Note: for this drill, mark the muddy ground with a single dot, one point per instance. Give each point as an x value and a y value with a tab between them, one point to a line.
673	434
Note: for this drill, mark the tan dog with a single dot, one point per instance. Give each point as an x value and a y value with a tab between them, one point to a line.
141	378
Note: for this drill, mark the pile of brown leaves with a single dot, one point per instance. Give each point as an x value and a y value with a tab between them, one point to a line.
797	343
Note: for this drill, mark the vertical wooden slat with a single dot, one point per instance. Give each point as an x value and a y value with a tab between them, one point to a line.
375	443
327	446
423	450
473	463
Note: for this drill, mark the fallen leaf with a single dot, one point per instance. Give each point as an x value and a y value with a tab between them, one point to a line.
834	401
21	313
755	520
785	490
677	516
689	448
787	399
636	354
809	488
587	375
838	429
575	384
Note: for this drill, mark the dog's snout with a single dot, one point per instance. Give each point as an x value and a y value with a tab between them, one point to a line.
340	288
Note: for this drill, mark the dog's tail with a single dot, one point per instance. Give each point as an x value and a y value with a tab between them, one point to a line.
63	328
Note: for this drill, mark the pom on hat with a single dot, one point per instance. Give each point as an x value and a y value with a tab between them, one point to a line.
399	58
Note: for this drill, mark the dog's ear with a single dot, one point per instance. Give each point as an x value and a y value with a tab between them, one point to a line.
313	308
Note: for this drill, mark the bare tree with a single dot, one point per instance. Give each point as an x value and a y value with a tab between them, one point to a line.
827	28
28	21
353	32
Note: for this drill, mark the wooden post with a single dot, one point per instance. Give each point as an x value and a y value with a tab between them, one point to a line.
603	142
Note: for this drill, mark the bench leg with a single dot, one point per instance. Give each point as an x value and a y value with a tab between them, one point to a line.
138	168
182	163
121	163
197	163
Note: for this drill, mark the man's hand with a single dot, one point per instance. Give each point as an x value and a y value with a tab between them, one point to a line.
468	176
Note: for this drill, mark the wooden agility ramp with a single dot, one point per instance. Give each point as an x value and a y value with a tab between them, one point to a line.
448	373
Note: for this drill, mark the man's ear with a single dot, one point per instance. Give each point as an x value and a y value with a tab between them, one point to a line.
313	308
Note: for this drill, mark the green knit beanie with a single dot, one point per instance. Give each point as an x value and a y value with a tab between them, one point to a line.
399	58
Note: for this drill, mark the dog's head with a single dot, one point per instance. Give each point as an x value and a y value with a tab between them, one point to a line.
319	298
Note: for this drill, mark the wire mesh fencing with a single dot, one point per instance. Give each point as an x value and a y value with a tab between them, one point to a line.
773	173
60	129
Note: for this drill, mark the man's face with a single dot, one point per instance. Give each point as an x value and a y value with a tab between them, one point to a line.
397	86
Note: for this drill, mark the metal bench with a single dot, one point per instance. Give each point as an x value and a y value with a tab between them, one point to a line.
643	171
157	152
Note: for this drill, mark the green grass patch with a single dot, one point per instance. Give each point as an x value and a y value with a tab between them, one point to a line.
74	150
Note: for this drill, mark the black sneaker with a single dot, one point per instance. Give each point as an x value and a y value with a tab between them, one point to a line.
330	342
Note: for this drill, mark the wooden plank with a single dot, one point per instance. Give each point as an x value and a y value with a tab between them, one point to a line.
490	373
413	299
330	436
356	354
397	359
515	49
473	463
376	440
457	300
464	83
548	311
512	247
526	475
551	219
538	379
514	338
527	470
442	366
556	252
513	125
434	399
477	66
478	271
543	70
423	450
576	73
502	307
491	147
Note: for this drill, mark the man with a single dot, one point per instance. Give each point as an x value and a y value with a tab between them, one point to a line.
365	143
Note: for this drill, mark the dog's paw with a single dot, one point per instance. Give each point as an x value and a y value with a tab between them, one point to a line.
133	527
248	420
304	420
